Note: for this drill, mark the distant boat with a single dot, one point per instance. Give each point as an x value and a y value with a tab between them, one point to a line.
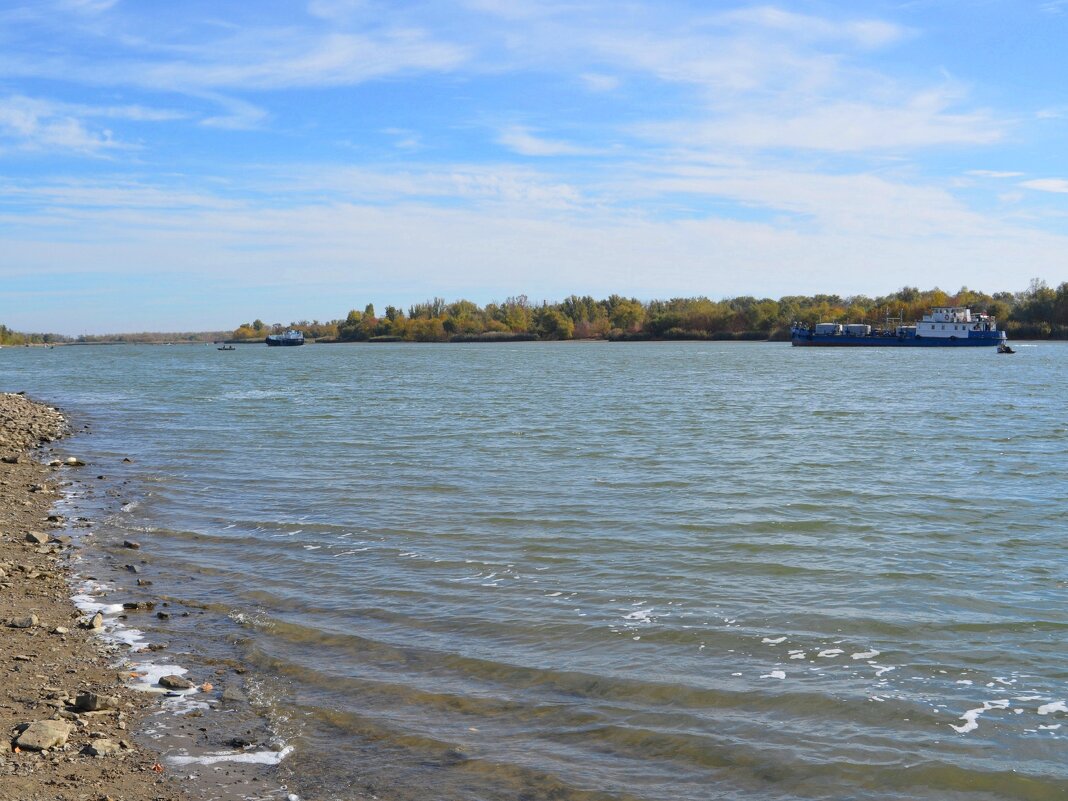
1004	348
944	326
290	338
227	347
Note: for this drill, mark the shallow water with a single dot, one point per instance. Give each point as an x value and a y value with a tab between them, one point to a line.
585	571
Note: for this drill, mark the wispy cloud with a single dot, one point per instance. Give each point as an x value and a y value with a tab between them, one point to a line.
1056	185
524	142
37	125
993	173
870	33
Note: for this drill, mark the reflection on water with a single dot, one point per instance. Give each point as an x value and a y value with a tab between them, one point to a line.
585	571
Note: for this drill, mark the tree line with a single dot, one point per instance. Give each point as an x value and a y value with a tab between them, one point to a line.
1039	312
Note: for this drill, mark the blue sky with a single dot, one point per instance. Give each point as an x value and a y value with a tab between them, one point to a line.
192	165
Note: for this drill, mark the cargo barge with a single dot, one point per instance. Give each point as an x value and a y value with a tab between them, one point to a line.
290	338
942	327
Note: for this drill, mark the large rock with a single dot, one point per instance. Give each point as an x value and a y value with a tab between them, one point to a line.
175	683
91	702
44	734
37	538
26	622
102	747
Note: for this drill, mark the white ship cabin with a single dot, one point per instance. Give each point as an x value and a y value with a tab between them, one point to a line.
953	321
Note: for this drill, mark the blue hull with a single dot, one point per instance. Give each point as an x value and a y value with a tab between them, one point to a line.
983	339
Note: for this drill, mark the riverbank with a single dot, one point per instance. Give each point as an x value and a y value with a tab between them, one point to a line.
64	711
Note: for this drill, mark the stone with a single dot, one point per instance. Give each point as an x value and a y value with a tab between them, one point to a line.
74	462
11	459
61	630
131	544
175	683
37	538
43	734
232	695
91	702
95	622
26	622
102	747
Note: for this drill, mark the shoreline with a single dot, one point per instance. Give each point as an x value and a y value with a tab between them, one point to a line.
58	678
82	717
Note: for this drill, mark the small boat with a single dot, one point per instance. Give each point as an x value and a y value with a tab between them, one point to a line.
227	347
1004	348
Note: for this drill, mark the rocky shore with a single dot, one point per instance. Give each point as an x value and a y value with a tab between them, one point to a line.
65	713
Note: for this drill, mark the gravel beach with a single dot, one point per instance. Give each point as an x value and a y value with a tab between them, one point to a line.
65	713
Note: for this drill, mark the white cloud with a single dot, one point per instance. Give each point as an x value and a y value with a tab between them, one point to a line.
863	33
39	125
88	6
1057	185
839	127
993	173
597	82
522	141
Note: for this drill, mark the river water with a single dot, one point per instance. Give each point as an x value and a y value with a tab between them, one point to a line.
578	571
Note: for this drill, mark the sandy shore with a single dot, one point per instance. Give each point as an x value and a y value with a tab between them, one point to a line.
65	713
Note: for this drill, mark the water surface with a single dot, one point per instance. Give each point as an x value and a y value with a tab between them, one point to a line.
587	571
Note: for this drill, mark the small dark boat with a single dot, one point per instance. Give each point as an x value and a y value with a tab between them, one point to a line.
1004	348
227	347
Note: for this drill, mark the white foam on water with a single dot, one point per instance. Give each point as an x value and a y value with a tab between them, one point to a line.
830	653
775	674
865	654
881	669
149	674
797	655
1056	706
312	547
971	717
773	640
640	616
248	757
1052	727
88	604
965	681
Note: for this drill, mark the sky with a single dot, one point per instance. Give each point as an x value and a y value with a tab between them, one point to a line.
193	165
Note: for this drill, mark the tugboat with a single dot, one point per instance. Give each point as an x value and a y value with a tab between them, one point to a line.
942	327
290	337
